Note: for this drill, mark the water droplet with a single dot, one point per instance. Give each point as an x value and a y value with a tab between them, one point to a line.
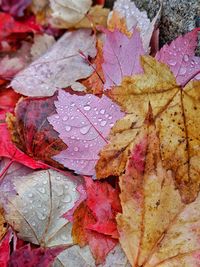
85	129
86	146
102	111
182	71
76	149
41	216
67	199
66	186
33	224
44	182
111	124
74	189
172	62
30	195
192	62
72	118
65	118
68	128
42	190
57	117
103	123
72	137
106	115
87	107
186	58
58	178
110	117
72	104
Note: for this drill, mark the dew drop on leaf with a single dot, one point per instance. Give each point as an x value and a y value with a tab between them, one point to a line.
85	129
68	128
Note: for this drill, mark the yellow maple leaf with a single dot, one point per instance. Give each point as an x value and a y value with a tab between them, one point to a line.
175	112
156	228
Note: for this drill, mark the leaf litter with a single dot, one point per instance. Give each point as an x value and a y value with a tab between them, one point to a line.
99	144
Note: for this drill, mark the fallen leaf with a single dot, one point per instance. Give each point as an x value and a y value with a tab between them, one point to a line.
76	256
69	12
40	257
121	56
174	110
156	227
37	6
41	44
103	201
60	67
31	131
100	244
3	225
5	250
14	8
180	57
9	150
8	99
136	18
95	82
8	25
35	210
83	123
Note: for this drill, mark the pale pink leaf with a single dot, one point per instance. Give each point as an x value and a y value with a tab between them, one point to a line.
83	123
121	56
180	57
61	66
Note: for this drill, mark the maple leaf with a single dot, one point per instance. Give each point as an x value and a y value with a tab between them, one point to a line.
8	99
180	57
40	257
15	8
35	208
156	227
76	256
69	12
103	201
127	10
100	244
60	67
5	250
83	123
31	131
174	110
121	56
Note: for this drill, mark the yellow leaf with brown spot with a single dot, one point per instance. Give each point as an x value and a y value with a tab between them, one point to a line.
118	22
175	112
156	228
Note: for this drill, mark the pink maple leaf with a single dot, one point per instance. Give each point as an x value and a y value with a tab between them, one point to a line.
180	57
121	56
83	123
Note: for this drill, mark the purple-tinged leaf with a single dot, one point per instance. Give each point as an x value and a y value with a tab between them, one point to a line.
121	56
83	123
15	8
180	57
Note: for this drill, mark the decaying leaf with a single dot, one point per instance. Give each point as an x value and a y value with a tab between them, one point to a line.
41	257
156	227
15	8
121	56
69	12
3	226
76	256
180	57
83	123
60	67
136	18
35	210
31	131
175	111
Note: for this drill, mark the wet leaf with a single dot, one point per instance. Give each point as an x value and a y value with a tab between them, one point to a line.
3	226
35	210
175	112
5	250
60	67
156	227
31	131
41	257
83	123
180	57
121	56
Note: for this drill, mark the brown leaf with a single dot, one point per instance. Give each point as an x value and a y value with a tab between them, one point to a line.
175	112
3	225
156	227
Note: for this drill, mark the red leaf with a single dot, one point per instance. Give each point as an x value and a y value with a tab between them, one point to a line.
83	123
180	57
8	99
103	201
5	250
39	257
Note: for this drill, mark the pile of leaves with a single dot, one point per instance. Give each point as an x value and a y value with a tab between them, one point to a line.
99	138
